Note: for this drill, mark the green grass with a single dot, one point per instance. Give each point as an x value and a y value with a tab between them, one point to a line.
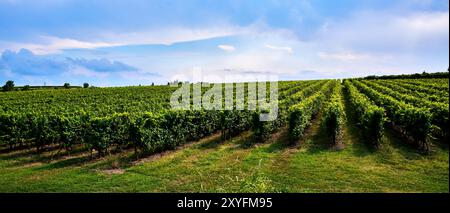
239	165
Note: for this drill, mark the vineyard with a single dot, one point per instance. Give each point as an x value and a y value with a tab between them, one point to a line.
354	135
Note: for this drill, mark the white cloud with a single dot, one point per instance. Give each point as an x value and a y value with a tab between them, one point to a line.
170	35
387	31
226	48
167	36
51	45
344	56
249	62
435	23
287	49
81	71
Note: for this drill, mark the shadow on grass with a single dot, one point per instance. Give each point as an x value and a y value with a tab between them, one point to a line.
126	159
211	144
440	143
80	156
26	151
122	161
248	141
321	142
27	147
91	160
353	134
277	141
316	139
34	158
407	149
6	149
281	142
71	162
15	156
390	140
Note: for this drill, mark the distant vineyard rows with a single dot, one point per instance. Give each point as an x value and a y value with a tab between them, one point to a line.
103	119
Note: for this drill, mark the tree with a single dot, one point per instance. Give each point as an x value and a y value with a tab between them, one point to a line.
9	86
85	85
153	84
66	85
26	87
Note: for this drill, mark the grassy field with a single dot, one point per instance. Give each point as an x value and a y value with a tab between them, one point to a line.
237	165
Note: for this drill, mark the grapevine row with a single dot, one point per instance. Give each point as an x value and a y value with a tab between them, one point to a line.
263	129
395	86
370	117
300	114
412	121
334	115
439	111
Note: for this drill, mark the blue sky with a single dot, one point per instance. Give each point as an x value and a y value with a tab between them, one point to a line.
117	43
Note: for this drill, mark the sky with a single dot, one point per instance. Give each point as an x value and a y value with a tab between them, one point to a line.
121	43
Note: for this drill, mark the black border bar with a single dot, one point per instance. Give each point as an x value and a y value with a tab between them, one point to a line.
167	201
